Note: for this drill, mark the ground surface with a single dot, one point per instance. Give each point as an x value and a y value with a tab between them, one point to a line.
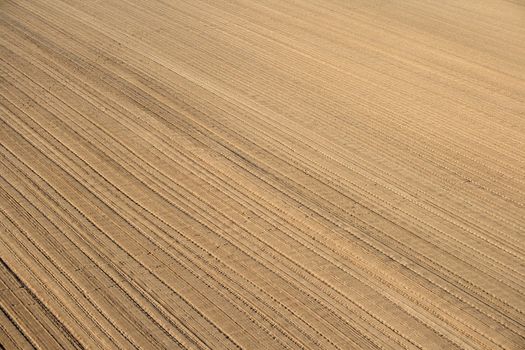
262	174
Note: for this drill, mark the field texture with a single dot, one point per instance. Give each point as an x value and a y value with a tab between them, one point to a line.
270	174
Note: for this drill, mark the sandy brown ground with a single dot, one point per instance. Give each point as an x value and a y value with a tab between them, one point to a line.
314	174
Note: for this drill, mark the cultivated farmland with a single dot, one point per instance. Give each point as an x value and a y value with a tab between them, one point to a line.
270	174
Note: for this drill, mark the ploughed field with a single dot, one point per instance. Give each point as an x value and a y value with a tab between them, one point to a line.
341	174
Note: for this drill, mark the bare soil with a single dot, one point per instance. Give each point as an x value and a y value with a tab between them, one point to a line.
315	174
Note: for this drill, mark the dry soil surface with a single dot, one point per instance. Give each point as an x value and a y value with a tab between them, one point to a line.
226	174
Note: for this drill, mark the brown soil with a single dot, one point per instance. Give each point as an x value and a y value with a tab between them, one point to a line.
342	174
